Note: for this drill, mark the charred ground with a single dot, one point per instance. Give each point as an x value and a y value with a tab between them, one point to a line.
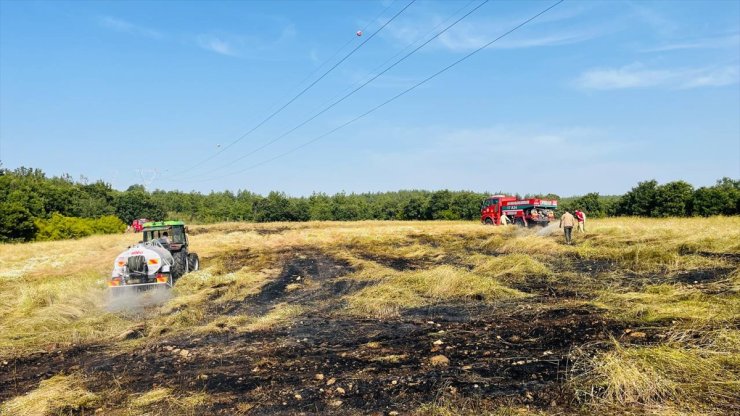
234	346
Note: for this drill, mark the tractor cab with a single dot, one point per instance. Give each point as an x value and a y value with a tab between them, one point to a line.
172	234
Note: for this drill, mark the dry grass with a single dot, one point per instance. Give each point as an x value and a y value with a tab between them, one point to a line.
651	245
54	293
55	396
279	315
511	268
417	288
164	401
471	408
692	371
151	397
665	302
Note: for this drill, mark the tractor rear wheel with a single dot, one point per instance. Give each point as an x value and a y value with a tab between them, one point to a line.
193	262
180	267
488	221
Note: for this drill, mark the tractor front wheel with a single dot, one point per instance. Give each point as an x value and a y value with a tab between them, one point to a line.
193	262
488	221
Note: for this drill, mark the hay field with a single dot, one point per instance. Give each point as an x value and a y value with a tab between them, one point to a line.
638	316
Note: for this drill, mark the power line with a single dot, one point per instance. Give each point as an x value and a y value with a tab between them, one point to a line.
397	96
335	103
331	58
303	91
348	42
465	6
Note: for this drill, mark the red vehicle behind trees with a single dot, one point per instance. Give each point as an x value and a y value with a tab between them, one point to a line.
138	224
524	212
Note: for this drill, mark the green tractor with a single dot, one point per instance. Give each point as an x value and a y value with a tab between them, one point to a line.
173	236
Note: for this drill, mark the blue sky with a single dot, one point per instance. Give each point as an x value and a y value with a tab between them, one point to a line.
592	96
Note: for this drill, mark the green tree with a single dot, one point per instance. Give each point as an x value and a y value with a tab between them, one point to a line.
590	204
320	207
16	223
640	200
275	207
386	206
134	204
440	206
722	198
415	208
466	205
673	199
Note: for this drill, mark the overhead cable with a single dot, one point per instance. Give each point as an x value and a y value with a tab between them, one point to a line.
390	100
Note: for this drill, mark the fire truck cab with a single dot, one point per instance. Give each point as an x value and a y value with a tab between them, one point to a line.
523	212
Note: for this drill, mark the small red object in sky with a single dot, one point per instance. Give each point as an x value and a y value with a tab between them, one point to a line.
359	33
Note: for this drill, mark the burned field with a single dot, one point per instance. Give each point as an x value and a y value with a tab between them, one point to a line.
446	318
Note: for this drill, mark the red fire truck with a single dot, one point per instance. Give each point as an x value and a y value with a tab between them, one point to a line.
138	224
524	212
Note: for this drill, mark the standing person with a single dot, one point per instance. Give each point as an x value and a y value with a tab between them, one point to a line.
504	220
581	217
567	221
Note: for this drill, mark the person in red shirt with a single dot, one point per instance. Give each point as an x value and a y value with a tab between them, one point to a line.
581	217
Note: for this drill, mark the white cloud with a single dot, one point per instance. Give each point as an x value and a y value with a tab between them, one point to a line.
215	44
715	42
465	40
313	55
120	25
473	33
250	46
656	20
639	76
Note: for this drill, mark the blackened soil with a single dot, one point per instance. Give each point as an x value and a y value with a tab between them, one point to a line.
405	263
701	276
237	259
543	286
396	263
338	364
734	257
315	276
514	352
587	266
270	231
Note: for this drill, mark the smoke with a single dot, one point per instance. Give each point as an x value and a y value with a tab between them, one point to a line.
550	229
131	301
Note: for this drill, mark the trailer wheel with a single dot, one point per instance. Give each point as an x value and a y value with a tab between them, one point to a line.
488	221
519	222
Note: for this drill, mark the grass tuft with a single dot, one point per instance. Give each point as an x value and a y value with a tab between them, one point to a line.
57	395
687	372
664	302
151	397
416	288
512	267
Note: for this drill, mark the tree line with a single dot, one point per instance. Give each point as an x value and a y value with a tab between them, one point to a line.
34	206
